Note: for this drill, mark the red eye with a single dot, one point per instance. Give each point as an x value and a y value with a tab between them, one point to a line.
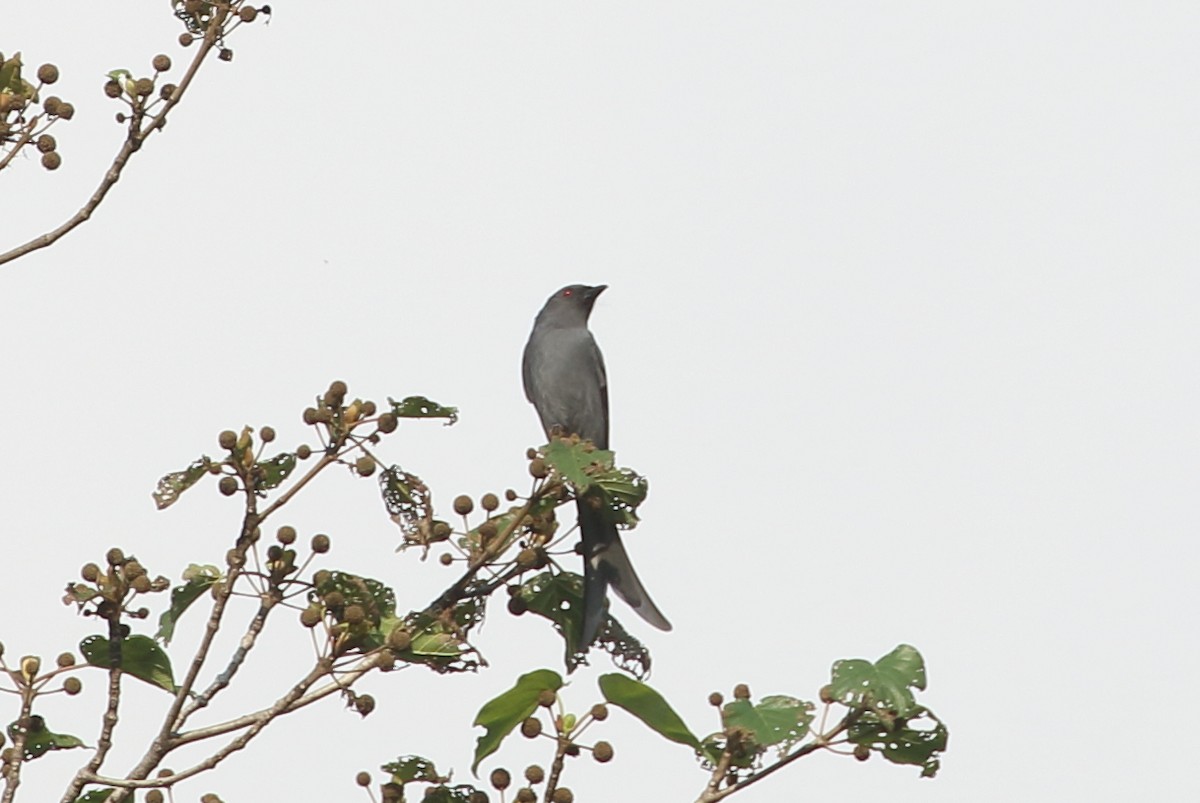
567	293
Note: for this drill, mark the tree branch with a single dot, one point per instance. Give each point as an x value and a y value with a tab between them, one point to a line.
133	143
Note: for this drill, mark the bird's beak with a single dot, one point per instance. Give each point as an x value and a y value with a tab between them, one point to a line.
594	292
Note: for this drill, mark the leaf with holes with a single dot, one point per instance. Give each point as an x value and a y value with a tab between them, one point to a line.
173	485
902	743
413	768
503	713
198	579
576	462
140	657
647	705
886	683
39	740
777	719
622	490
270	473
421	407
459	793
559	598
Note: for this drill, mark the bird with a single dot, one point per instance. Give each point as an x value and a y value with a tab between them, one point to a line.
565	380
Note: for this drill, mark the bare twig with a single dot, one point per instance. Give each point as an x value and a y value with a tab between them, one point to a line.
249	638
346	680
556	768
289	702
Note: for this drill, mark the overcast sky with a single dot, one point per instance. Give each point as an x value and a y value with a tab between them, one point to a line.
901	326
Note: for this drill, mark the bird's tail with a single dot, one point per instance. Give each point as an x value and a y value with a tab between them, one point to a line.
606	564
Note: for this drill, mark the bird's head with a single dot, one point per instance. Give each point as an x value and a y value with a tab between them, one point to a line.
571	304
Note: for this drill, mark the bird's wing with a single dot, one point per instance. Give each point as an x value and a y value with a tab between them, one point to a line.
603	392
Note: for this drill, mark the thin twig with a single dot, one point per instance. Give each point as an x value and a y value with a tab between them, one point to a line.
249	639
12	773
282	706
711	794
341	684
131	145
26	136
490	552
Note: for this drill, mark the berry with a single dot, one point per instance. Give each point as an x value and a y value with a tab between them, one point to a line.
500	779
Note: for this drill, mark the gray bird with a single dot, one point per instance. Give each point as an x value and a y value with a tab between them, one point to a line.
565	380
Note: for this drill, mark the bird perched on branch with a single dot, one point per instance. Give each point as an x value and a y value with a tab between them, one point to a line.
564	378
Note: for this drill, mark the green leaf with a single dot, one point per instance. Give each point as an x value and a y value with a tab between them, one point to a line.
503	713
901	743
436	645
435	642
559	598
198	579
777	719
622	490
377	601
270	473
413	768
576	462
171	486
459	793
39	740
647	705
95	796
421	407
141	657
887	683
591	472
10	74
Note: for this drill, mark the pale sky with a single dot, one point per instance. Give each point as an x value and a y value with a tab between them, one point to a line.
901	326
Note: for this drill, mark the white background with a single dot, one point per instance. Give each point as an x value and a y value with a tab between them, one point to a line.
901	325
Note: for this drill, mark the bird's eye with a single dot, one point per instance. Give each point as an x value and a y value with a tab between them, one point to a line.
567	293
